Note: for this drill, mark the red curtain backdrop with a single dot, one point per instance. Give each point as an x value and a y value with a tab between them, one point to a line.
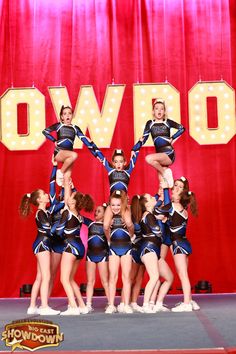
73	43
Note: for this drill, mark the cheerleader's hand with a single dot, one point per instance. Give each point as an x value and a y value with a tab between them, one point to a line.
54	162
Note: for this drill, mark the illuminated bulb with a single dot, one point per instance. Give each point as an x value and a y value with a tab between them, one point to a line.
105	129
97	130
8	124
213	136
110	110
198	129
92	111
227	128
82	111
37	112
22	94
226	106
165	89
196	96
154	90
115	91
108	119
203	136
170	97
8	135
57	92
60	102
13	143
37	134
143	126
222	136
95	120
227	117
221	88
197	107
210	88
170	109
36	101
226	95
113	100
86	102
101	139
143	91
32	142
12	95
201	88
142	103
197	118
86	92
143	114
80	121
8	102
32	94
8	113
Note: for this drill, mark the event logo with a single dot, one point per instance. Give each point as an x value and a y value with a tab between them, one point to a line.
32	334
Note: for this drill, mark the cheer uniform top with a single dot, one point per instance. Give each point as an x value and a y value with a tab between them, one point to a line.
120	243
69	228
42	242
136	244
57	243
151	235
97	250
118	180
178	224
65	137
160	132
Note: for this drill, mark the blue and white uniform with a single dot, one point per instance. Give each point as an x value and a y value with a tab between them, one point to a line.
43	239
57	243
120	243
97	250
164	226
65	137
118	180
136	244
160	132
69	228
177	222
151	235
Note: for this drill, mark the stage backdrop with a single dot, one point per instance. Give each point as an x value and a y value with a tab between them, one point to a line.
144	49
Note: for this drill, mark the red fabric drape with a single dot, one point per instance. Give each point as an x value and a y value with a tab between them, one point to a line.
74	43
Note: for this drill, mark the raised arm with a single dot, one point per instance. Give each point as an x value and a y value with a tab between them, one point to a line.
144	137
133	158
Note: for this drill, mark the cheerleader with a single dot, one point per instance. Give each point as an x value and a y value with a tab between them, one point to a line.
69	228
160	129
119	252
63	153
182	197
97	254
41	248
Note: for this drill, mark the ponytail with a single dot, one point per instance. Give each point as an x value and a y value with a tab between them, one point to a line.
27	200
189	198
84	201
138	207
